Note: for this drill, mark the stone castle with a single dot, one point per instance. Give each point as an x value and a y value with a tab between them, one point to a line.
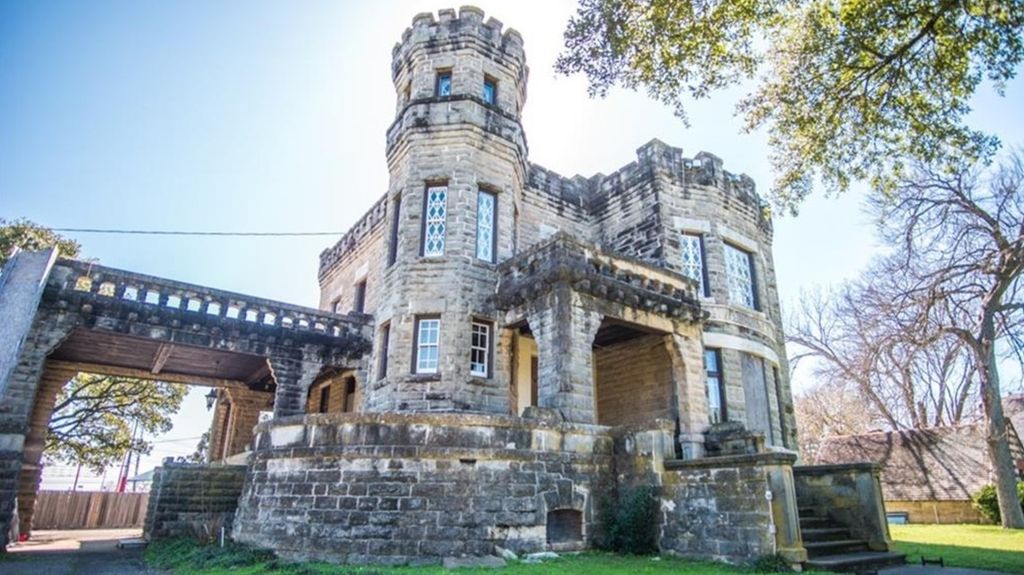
500	351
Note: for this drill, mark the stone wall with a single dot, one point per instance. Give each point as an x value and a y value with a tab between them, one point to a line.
414	488
717	508
193	500
943	512
633	382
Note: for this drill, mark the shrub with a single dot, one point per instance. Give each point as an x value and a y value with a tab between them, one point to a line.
771	564
987	502
630	522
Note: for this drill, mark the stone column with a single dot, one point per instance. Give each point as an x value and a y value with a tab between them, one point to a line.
246	406
218	428
18	400
564	331
50	384
293	376
687	353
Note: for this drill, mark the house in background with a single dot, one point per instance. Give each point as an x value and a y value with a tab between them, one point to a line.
928	475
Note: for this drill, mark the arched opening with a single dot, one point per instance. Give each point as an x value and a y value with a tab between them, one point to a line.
633	380
565	526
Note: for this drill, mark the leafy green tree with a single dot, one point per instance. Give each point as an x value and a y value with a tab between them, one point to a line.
847	89
27	235
94	417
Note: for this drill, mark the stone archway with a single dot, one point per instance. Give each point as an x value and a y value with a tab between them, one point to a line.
70	316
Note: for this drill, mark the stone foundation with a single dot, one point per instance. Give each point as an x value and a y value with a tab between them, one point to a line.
415	488
389	488
193	500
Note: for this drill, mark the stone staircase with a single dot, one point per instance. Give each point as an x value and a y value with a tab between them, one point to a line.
831	547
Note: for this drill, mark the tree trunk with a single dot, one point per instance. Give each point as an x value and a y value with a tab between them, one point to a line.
998	444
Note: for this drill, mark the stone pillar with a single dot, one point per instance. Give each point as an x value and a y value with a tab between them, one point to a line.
17	402
246	406
293	376
50	384
564	331
689	377
218	428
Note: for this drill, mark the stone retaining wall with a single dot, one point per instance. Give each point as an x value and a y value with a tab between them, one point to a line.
958	511
415	488
193	500
717	508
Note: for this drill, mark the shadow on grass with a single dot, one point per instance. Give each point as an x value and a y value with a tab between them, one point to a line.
964	556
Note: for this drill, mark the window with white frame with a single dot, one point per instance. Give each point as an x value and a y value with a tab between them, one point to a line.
428	332
486	212
739	269
435	210
480	350
693	260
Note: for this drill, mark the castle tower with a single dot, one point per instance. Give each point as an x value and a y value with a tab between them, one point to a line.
457	160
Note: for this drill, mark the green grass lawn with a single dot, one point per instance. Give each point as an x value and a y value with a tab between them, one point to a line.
186	558
978	546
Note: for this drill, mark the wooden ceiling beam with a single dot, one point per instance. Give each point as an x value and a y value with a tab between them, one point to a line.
101	369
163	353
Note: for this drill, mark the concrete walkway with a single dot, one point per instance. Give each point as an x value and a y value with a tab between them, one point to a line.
934	570
82	552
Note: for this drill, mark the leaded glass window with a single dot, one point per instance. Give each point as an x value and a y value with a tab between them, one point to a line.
715	385
486	202
693	260
739	268
444	83
480	350
434	220
427	338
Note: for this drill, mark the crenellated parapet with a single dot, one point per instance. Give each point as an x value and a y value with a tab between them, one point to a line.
336	254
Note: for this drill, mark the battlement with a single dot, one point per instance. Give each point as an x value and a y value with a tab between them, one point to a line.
468	22
703	169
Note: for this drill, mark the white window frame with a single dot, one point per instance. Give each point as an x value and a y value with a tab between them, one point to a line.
439	237
427	326
739	268
484	329
485	251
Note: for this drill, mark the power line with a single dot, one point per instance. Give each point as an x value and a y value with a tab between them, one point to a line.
193	233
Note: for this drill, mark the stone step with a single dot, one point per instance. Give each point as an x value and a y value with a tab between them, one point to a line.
813	534
812	522
838	547
807	511
861	562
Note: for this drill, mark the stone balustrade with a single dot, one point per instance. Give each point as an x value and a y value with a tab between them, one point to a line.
118	285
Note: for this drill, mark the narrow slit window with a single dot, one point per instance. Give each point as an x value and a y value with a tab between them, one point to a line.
396	205
486	220
444	83
385	336
359	301
490	94
715	386
434	214
480	350
427	344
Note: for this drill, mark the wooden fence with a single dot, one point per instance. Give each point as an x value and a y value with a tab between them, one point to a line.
89	510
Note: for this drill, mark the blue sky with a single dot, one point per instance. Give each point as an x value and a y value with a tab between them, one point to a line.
270	116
